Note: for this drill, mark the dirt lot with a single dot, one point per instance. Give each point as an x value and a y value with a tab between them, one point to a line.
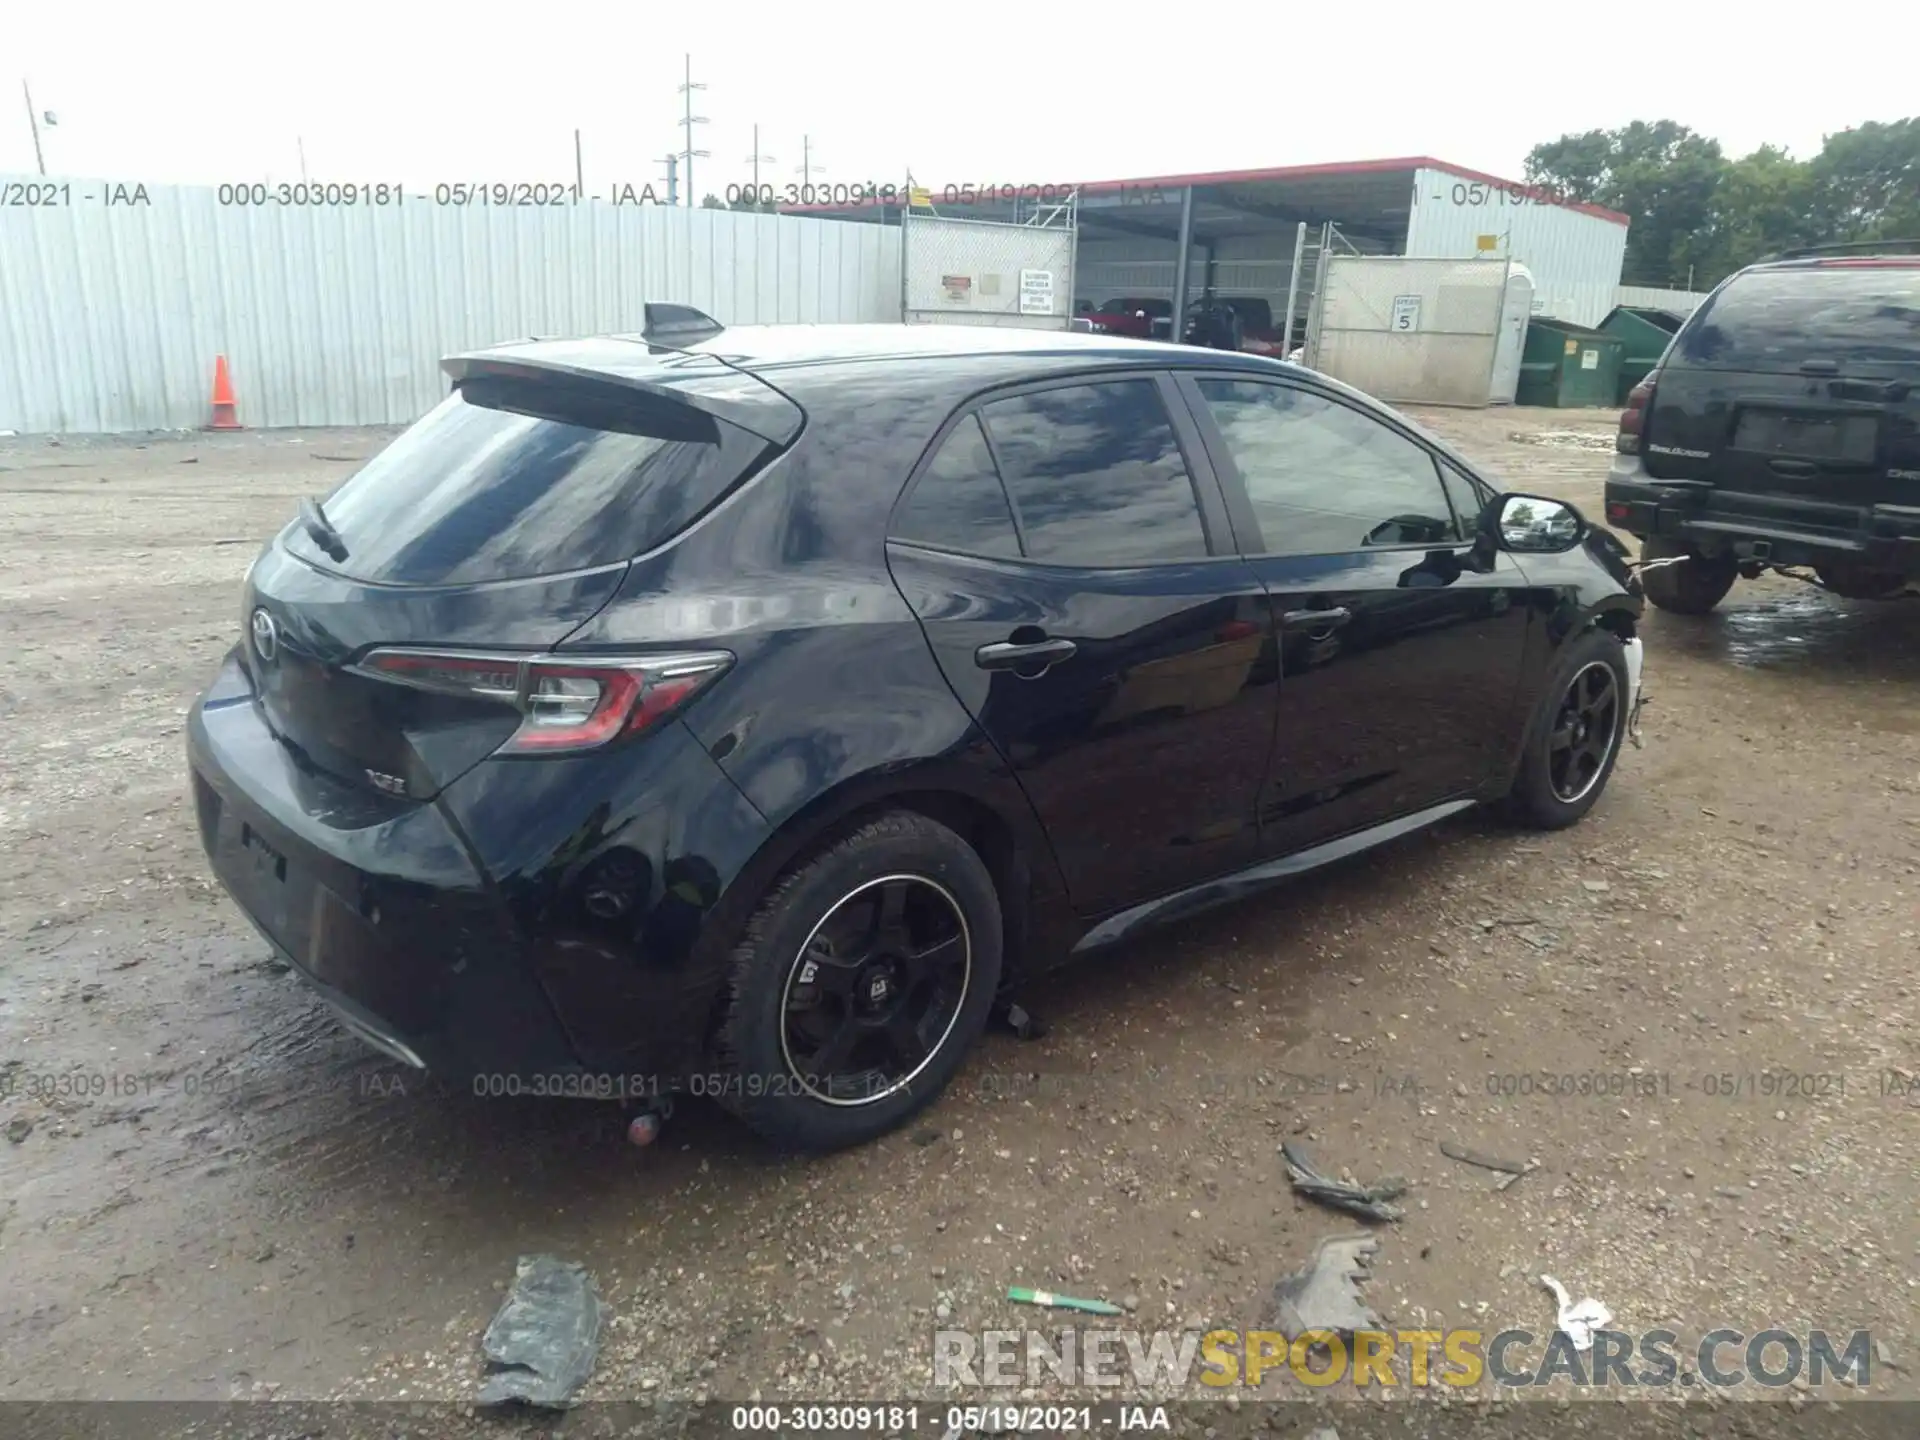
243	1201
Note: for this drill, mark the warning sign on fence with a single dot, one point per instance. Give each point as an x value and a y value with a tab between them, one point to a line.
1036	292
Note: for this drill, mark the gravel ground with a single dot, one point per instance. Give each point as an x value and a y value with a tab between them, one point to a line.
243	1202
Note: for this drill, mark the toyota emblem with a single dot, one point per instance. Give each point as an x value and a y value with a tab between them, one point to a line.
266	635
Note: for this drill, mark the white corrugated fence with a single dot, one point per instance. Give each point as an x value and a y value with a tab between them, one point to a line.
115	301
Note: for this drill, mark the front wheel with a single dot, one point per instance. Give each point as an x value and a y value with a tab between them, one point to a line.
864	977
1575	736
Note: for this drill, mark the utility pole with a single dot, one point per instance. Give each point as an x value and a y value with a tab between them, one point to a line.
688	121
300	144
755	159
579	175
673	179
807	166
33	119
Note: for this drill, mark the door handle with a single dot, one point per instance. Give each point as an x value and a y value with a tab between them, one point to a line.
1005	655
1331	618
1798	469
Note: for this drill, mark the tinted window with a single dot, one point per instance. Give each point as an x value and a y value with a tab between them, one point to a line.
1774	319
1324	478
477	491
1467	496
1097	475
957	503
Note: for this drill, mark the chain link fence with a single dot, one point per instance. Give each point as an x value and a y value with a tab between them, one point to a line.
985	272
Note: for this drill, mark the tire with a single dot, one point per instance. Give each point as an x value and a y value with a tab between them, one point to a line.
1693	586
831	936
1550	793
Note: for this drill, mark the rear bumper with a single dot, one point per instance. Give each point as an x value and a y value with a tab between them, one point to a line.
1780	529
388	912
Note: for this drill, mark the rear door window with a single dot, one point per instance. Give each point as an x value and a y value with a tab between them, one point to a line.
1773	320
501	482
1097	476
957	503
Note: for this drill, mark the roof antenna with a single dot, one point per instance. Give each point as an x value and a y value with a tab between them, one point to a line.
678	322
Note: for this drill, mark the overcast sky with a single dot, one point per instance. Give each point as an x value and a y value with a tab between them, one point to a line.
981	92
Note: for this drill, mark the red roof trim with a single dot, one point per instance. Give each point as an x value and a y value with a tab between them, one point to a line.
1406	164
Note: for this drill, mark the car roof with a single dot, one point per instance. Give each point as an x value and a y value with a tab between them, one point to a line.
1840	262
753	375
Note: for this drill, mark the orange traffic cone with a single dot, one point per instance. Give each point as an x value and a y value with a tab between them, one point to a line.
223	402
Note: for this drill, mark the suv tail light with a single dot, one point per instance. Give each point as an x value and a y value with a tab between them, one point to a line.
565	705
1633	419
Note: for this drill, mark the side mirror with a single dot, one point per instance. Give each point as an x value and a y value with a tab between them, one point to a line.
1532	525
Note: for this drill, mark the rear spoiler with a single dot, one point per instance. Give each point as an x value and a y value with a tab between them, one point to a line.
615	368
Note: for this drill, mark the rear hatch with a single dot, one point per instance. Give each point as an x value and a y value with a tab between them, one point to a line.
392	644
1797	385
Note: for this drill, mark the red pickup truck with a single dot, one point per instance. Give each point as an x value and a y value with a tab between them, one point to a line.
1142	317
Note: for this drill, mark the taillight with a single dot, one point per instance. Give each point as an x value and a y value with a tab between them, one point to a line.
564	704
1633	419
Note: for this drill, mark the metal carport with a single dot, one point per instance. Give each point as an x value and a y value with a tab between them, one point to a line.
1237	232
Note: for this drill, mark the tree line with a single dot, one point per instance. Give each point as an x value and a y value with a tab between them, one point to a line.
1698	215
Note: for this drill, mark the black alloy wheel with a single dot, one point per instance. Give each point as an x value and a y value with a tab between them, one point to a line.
875	990
1584	732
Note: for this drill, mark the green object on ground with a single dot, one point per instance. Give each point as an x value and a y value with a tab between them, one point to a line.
1062	1302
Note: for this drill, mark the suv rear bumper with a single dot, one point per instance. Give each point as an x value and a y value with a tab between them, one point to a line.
1777	529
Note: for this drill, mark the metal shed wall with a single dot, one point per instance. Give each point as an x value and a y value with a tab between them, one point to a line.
1575	257
111	316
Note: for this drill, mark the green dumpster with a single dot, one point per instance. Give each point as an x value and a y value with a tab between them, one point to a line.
1568	366
1644	334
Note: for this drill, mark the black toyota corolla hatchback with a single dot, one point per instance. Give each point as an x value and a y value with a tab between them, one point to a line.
745	710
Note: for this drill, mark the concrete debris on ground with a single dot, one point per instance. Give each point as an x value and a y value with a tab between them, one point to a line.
541	1345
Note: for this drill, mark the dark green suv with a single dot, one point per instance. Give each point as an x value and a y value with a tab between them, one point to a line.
1781	431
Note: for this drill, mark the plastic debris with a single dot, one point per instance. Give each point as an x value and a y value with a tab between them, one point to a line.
1367	1201
1511	1180
1482	1159
1326	1295
1578	1322
1061	1302
541	1345
644	1129
1021	1021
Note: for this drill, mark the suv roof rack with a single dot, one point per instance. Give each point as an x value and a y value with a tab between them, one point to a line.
1852	247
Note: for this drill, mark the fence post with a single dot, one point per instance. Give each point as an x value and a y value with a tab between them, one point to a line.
1293	289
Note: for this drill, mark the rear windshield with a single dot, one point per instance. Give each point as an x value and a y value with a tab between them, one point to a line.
501	483
1776	319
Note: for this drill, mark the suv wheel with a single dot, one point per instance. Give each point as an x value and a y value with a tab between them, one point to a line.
1575	736
864	977
1693	584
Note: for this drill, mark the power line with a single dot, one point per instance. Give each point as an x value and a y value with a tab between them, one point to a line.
689	120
